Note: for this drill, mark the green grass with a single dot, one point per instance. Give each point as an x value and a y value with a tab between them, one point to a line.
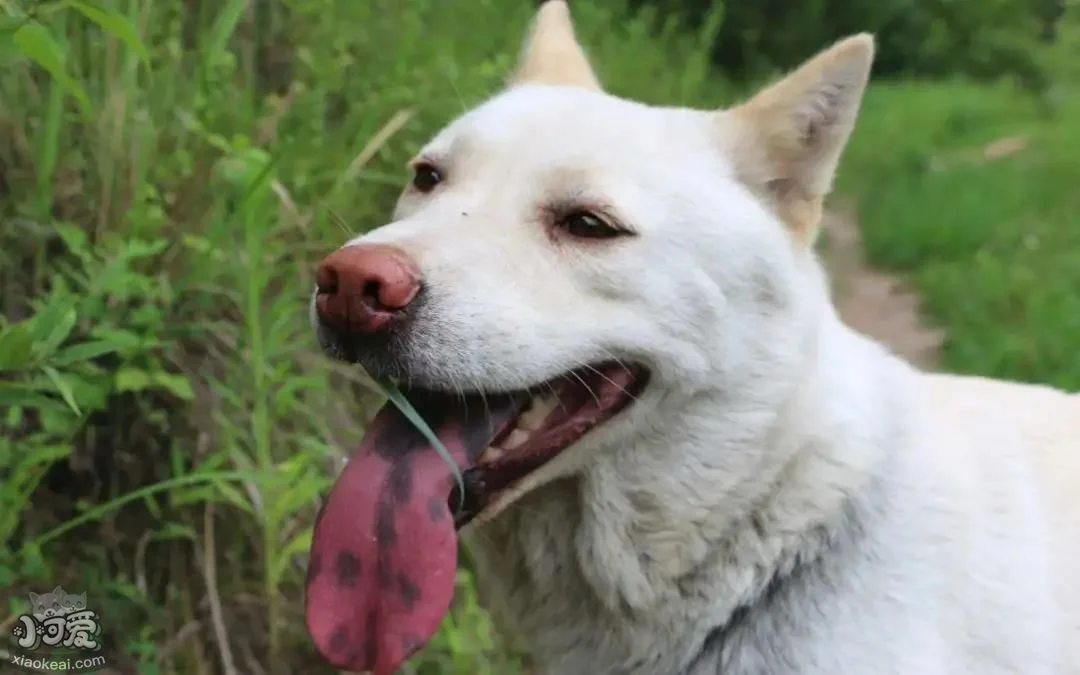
168	424
992	244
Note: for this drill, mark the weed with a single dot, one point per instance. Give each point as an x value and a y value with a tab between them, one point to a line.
170	172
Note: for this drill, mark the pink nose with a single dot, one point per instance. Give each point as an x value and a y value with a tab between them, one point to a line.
363	288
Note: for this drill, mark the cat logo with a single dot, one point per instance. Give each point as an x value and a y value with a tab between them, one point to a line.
59	634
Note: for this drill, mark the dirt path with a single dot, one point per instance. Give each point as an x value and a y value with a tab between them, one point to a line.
876	304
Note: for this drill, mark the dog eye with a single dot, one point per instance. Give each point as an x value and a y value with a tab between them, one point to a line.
425	177
587	226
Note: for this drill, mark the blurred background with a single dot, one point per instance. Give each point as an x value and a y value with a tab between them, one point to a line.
172	170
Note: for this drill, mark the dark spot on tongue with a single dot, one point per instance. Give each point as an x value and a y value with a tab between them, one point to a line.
348	569
437	509
409	592
401	481
385	524
386	536
340	639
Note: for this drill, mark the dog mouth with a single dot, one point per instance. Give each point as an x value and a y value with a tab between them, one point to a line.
384	552
550	418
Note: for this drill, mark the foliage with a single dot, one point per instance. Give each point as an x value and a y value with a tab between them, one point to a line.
170	173
972	191
981	38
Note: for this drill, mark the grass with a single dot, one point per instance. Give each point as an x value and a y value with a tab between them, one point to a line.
992	243
170	172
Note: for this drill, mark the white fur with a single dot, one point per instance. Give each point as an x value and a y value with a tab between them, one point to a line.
868	518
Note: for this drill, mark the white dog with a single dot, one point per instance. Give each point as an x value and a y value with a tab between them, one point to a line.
679	461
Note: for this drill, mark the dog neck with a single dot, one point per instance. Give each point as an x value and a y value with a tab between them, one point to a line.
643	563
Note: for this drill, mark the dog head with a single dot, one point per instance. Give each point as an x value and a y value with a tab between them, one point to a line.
558	231
562	257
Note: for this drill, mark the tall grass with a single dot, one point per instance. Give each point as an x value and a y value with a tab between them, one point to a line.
170	172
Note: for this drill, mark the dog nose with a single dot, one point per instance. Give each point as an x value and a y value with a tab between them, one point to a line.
363	288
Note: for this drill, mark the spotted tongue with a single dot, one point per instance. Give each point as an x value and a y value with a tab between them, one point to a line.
384	552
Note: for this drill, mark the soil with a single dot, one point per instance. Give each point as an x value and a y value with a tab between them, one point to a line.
879	305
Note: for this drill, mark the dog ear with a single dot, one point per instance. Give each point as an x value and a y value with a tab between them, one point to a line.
786	141
551	54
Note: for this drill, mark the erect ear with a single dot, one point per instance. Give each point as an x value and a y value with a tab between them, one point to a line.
551	54
786	141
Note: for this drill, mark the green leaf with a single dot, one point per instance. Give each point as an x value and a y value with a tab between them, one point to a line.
34	40
234	496
132	379
17	394
59	322
63	387
125	340
115	24
16	346
244	169
299	544
85	351
224	26
76	239
101	510
9	51
177	384
170	531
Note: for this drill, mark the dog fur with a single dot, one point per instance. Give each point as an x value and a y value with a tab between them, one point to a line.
786	496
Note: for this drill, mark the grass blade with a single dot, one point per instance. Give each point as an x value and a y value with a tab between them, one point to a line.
398	399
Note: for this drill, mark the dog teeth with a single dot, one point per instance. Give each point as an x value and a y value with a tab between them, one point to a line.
528	423
516	438
534	418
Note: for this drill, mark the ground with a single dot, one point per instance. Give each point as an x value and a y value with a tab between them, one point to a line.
879	305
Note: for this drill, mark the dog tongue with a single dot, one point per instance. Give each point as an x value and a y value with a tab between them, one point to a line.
384	552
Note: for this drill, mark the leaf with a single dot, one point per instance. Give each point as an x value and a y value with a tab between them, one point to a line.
84	351
224	26
132	379
175	531
26	397
115	24
177	384
101	510
59	327
124	340
296	494
75	239
233	496
195	495
34	40
136	249
298	545
58	421
63	387
238	168
16	346
218	492
10	53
